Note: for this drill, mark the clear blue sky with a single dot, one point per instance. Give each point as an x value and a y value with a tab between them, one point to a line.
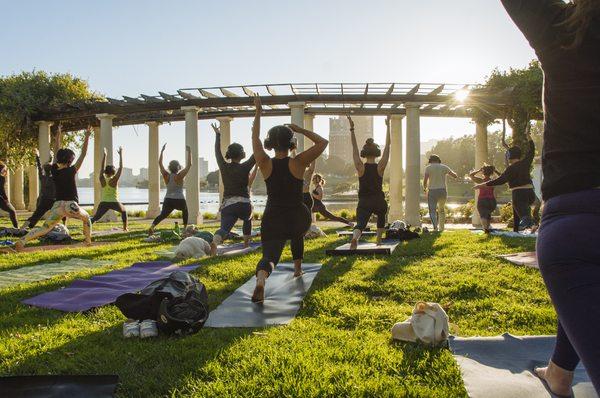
133	47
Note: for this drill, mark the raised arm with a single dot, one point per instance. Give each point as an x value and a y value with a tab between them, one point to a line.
305	158
385	157
188	164
38	164
504	144
57	141
84	148
474	178
115	180
257	146
163	171
252	176
102	168
218	153
310	170
358	164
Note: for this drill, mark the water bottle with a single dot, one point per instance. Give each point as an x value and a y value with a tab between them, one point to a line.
176	229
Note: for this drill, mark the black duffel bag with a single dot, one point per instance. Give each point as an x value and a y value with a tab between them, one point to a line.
178	303
401	234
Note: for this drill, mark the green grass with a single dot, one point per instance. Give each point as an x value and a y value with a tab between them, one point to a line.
339	344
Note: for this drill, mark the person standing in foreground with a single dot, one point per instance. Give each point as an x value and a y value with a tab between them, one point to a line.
4	202
434	184
566	38
174	198
486	200
371	199
110	190
64	174
286	217
236	204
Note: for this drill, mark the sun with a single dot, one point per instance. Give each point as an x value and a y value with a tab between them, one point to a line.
461	95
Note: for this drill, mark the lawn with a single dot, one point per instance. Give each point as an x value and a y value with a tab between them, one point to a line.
339	344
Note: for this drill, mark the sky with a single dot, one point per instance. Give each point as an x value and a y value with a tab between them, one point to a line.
130	47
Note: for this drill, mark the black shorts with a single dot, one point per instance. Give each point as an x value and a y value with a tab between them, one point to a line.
486	207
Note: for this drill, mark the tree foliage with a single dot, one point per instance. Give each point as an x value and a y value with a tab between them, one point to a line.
22	96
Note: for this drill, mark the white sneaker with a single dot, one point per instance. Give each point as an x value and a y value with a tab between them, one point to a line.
131	329
148	328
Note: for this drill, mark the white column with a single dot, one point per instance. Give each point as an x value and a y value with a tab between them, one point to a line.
97	166
34	187
153	171
16	187
297	116
225	128
413	164
481	157
44	141
396	169
309	125
106	142
192	181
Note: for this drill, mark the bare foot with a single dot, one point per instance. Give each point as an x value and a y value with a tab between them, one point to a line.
259	291
213	249
298	269
353	244
19	246
125	229
559	380
87	243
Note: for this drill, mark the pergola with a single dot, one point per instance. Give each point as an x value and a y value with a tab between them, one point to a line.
301	101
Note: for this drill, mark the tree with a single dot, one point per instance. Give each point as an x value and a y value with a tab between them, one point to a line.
22	96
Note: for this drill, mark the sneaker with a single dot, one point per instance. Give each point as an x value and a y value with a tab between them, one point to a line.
148	328
131	329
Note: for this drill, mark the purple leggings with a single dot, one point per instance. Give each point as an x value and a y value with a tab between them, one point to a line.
569	258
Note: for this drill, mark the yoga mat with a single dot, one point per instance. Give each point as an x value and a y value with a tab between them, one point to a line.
34	249
283	296
85	294
36	273
386	247
513	234
349	233
528	259
49	386
502	366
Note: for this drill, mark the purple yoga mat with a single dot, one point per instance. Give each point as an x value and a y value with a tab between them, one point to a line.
85	294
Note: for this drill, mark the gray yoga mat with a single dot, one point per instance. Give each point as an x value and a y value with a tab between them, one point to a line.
364	248
502	366
513	234
349	233
57	386
528	259
283	295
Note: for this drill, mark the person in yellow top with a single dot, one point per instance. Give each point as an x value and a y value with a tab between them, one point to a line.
109	179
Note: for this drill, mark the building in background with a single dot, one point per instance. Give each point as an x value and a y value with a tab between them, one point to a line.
203	168
340	145
143	173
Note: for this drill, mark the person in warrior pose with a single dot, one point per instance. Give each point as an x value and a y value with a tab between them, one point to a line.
109	180
286	217
318	205
371	199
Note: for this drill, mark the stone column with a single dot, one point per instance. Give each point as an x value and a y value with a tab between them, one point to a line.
16	187
97	166
225	128
413	164
153	171
297	116
309	125
481	157
106	142
192	181
44	141
396	169
34	187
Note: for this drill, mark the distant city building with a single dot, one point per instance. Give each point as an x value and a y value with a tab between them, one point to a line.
202	167
143	173
340	145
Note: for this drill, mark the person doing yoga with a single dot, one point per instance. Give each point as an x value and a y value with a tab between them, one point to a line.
318	205
236	204
434	184
4	202
109	181
174	198
371	199
307	197
566	39
518	177
286	217
47	194
64	174
486	200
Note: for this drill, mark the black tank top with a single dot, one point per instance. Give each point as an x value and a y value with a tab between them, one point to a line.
64	182
370	183
283	189
3	188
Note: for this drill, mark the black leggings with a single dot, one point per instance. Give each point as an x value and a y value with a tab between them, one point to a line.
103	207
9	208
44	204
570	264
368	206
308	201
319	207
167	208
272	250
522	199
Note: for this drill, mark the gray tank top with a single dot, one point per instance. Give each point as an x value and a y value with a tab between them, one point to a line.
174	189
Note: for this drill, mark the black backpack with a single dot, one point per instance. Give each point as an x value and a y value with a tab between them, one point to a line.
178	303
402	234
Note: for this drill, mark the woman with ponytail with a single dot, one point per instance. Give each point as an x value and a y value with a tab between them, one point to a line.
566	38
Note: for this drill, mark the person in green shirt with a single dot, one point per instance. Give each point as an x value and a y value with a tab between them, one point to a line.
109	180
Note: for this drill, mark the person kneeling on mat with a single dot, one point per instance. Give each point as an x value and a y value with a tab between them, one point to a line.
109	180
174	198
371	199
319	206
236	203
286	217
486	200
64	173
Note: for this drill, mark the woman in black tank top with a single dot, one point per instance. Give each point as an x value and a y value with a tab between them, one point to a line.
371	199
286	217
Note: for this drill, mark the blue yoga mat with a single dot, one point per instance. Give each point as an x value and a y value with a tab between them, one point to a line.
85	294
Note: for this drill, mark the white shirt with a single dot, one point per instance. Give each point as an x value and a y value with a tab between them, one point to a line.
437	175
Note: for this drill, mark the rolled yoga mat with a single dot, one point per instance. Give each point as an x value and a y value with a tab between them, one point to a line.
283	296
502	366
528	259
386	247
55	386
85	294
